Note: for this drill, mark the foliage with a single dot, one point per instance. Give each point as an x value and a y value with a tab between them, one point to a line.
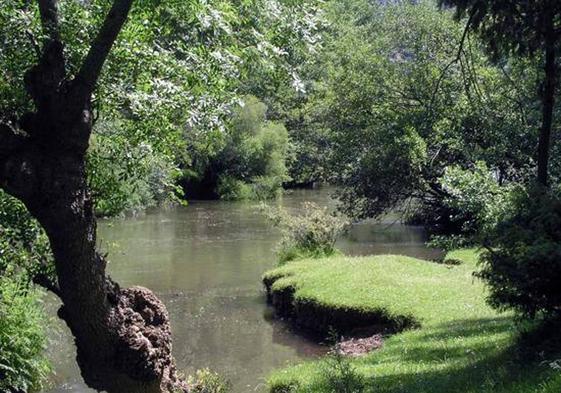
206	381
251	163
405	104
463	345
170	84
522	29
508	27
476	202
285	82
23	366
25	255
522	263
24	247
310	234
127	177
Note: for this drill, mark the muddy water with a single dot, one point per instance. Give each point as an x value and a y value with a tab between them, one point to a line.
205	262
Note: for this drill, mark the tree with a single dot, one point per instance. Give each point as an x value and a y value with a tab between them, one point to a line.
122	336
397	121
530	27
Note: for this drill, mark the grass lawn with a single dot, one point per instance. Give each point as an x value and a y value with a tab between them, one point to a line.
462	345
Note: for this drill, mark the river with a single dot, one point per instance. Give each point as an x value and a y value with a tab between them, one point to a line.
205	261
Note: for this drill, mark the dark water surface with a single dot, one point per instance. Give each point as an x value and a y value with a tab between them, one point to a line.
205	262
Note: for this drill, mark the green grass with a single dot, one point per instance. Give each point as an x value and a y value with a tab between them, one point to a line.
462	344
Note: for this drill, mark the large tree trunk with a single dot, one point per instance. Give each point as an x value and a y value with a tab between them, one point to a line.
548	103
122	336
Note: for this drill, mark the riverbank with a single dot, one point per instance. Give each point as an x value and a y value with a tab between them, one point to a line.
456	343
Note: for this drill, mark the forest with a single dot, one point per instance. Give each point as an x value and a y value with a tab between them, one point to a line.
284	196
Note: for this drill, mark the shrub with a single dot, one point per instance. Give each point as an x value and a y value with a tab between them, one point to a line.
311	234
24	255
340	376
474	202
259	188
231	189
206	381
522	261
23	365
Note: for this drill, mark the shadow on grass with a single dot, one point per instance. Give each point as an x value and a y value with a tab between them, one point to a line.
481	355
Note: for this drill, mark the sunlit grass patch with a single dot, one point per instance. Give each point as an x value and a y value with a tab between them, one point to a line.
461	345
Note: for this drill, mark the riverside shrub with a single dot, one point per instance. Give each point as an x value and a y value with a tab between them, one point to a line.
24	246
310	234
23	365
474	203
24	255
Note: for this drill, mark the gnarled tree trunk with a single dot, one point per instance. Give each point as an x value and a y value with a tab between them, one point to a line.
122	336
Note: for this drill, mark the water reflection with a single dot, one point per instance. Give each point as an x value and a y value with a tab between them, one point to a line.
205	262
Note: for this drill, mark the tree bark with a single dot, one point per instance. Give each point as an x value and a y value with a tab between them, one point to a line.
548	102
123	336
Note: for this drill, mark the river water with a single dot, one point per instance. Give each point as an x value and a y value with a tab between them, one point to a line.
205	262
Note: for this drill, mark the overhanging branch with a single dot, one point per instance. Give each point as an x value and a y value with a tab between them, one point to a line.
93	63
455	60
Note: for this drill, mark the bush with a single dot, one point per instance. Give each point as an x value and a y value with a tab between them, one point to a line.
522	263
311	234
260	188
474	203
340	376
206	381
23	365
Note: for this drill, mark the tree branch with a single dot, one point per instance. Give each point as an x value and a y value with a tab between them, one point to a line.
455	60
93	63
49	18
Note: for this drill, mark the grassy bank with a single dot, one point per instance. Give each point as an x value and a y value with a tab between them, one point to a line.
460	344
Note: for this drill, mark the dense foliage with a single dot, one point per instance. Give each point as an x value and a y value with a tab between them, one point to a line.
24	247
23	366
24	257
405	104
249	164
523	261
